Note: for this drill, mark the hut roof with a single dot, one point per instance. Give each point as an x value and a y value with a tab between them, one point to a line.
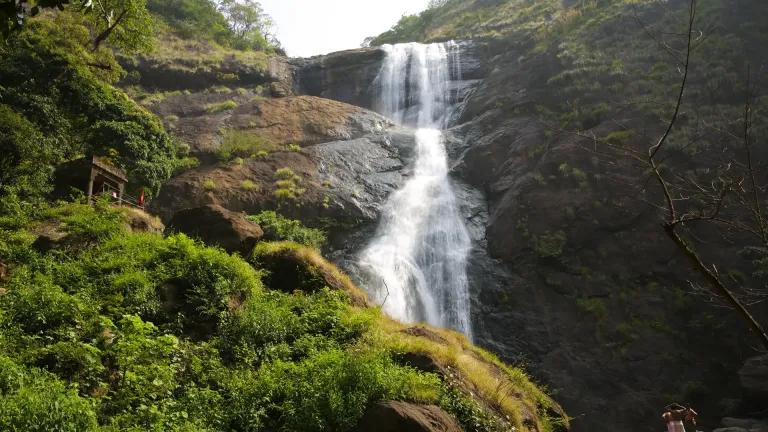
107	166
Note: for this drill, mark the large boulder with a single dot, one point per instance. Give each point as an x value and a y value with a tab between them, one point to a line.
346	160
732	424
406	417
754	376
217	226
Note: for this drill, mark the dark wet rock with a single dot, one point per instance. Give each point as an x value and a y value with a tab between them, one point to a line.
406	417
217	226
570	270
746	424
347	76
753	377
420	361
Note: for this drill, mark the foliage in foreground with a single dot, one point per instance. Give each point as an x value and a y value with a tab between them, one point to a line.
113	330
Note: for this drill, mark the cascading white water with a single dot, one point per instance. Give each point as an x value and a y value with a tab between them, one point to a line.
417	261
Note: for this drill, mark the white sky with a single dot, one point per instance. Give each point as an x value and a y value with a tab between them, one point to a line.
313	27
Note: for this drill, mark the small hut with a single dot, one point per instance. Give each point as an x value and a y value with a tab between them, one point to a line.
106	179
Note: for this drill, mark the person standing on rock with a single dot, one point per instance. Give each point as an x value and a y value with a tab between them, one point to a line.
676	414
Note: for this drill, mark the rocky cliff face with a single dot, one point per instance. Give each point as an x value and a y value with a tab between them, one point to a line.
344	161
570	273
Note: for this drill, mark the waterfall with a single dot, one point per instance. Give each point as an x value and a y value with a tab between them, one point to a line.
416	263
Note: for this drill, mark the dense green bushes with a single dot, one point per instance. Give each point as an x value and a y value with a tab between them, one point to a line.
193	18
279	228
242	25
140	332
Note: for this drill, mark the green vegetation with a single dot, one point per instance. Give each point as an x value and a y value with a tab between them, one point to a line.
287	186
549	244
245	144
242	25
52	92
279	228
124	24
141	332
192	19
209	185
221	106
248	185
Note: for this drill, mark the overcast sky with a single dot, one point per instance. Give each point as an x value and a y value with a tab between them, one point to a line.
312	27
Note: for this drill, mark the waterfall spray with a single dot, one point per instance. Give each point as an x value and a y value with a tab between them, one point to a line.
416	263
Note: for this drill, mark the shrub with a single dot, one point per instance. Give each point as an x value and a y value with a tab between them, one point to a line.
238	143
89	223
34	401
220	106
549	244
294	147
327	391
27	157
209	185
278	228
185	164
287	185
248	185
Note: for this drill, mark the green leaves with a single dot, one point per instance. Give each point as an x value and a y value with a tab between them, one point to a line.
35	401
159	334
279	228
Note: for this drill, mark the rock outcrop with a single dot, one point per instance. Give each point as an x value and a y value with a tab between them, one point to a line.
343	159
347	76
196	65
731	424
753	377
394	416
217	226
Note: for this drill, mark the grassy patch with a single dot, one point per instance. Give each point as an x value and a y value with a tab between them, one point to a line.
287	186
240	143
248	185
220	107
279	228
209	185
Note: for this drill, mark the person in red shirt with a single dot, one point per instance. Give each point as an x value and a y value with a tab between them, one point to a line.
675	415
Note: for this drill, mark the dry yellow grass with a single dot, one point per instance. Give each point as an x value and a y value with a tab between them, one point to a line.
315	263
506	390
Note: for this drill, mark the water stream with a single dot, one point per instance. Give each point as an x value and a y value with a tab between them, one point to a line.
417	261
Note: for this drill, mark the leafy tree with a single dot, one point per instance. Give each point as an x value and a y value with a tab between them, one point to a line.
13	12
52	78
193	18
250	25
127	24
25	149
